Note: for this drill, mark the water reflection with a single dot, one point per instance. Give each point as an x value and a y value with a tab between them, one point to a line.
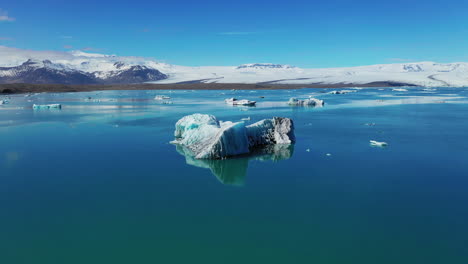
233	171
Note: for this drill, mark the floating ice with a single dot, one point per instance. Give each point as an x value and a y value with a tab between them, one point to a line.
399	90
306	102
208	138
342	92
47	106
378	144
244	102
161	97
2	102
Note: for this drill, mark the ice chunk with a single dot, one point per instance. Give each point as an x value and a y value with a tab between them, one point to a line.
47	106
399	90
307	102
278	130
342	92
209	138
2	102
161	97
378	144
284	130
244	102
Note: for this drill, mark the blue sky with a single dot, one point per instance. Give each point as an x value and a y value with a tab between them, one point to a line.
331	33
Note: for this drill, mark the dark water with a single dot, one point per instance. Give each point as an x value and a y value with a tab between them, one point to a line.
98	182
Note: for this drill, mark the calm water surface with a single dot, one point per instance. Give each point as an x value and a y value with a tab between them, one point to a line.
98	181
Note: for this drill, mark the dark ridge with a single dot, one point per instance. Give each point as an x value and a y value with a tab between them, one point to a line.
199	81
387	84
281	80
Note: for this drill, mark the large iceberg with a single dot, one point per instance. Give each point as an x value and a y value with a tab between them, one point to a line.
208	138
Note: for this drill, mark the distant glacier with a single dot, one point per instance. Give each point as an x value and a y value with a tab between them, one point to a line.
77	67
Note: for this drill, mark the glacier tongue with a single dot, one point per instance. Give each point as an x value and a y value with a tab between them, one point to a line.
209	138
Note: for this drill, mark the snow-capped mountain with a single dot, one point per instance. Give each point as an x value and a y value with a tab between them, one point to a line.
78	67
22	66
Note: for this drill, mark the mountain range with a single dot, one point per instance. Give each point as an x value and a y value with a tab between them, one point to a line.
78	67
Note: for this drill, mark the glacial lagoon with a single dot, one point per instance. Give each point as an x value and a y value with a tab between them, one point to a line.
97	181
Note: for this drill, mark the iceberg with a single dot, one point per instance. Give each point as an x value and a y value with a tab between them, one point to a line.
47	106
307	102
2	102
243	102
208	138
378	144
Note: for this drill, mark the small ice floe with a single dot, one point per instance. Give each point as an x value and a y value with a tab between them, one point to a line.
308	150
399	90
342	92
161	97
369	124
245	119
328	154
428	89
47	106
2	102
378	144
243	102
306	102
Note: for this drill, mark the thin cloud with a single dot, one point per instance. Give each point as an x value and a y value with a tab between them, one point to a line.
68	47
5	17
66	37
236	33
5	38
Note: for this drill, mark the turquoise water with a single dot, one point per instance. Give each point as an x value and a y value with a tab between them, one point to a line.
98	182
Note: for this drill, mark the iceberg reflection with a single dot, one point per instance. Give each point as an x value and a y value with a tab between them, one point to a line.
232	171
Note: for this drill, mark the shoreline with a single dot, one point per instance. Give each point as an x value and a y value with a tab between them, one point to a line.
18	88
